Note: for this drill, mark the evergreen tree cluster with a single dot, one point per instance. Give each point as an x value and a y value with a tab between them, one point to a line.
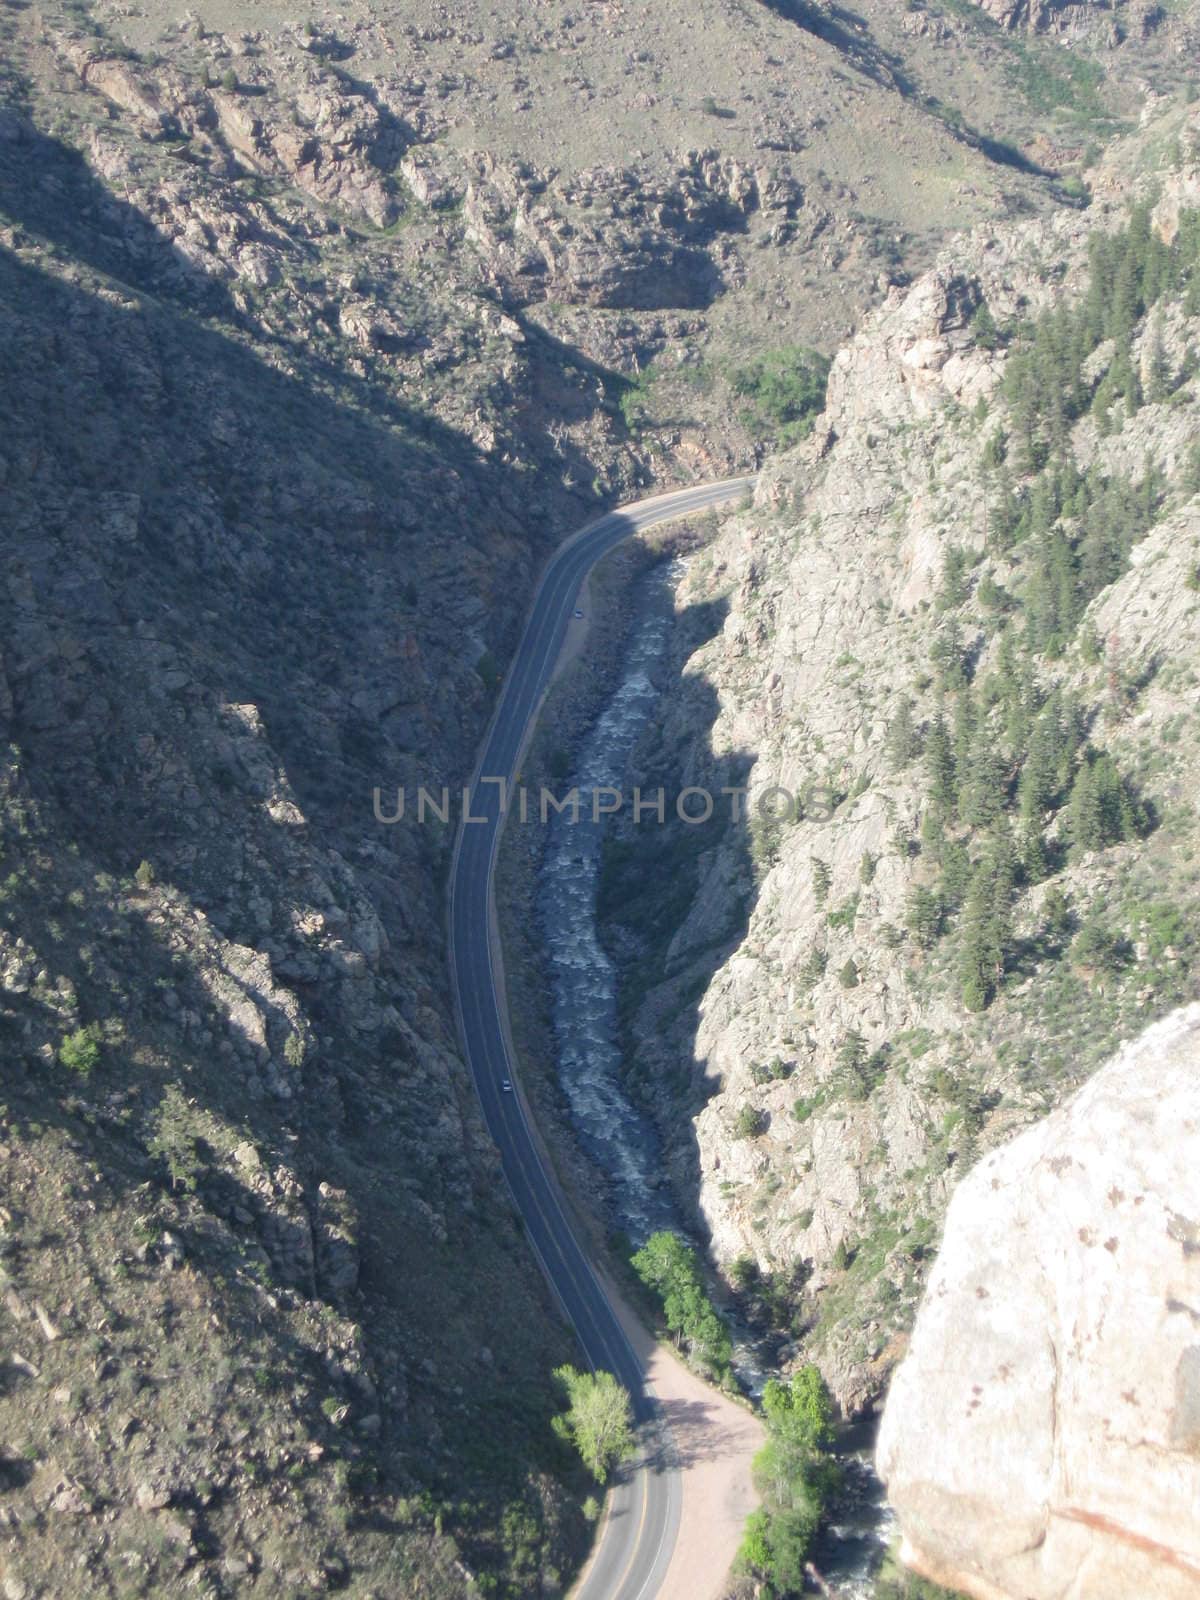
1003	758
1045	383
1080	529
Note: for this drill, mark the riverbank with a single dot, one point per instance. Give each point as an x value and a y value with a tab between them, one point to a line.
712	1437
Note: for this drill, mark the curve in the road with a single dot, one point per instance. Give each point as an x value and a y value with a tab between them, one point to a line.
634	1550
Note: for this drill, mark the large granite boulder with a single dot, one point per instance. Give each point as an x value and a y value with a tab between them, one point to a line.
1042	1437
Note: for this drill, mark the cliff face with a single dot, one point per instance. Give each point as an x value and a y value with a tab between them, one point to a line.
302	375
1040	1437
850	1004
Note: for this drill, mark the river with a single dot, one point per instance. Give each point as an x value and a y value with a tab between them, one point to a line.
616	1136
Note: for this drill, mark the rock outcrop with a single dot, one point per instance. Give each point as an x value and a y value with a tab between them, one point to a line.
821	1077
1110	17
1042	1437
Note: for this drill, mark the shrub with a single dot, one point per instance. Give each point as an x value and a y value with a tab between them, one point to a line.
786	389
1097	948
845	914
80	1051
174	1138
749	1123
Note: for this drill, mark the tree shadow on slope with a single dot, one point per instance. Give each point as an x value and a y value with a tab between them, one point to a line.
849	34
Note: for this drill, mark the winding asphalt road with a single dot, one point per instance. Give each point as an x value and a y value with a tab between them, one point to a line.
638	1535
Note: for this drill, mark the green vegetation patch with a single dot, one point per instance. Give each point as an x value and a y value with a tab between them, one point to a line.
785	389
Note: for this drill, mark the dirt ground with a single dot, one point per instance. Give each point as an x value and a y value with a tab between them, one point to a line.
715	1439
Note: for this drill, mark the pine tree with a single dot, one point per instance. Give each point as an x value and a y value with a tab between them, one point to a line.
1004	513
983	326
1156	370
923	916
987	923
1085	823
812	969
1125	308
175	1136
1035	864
956	874
995	449
948	657
903	740
821	879
1041	774
1102	809
1057	913
933	835
939	762
982	797
852	1077
966	719
953	588
980	955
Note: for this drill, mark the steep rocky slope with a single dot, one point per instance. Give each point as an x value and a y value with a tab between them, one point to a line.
960	626
663	193
1040	1438
315	333
246	1190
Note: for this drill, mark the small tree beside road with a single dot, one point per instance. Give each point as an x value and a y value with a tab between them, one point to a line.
598	1420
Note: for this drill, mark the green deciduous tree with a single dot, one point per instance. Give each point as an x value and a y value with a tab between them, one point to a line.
598	1420
795	1477
786	388
800	1411
669	1267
